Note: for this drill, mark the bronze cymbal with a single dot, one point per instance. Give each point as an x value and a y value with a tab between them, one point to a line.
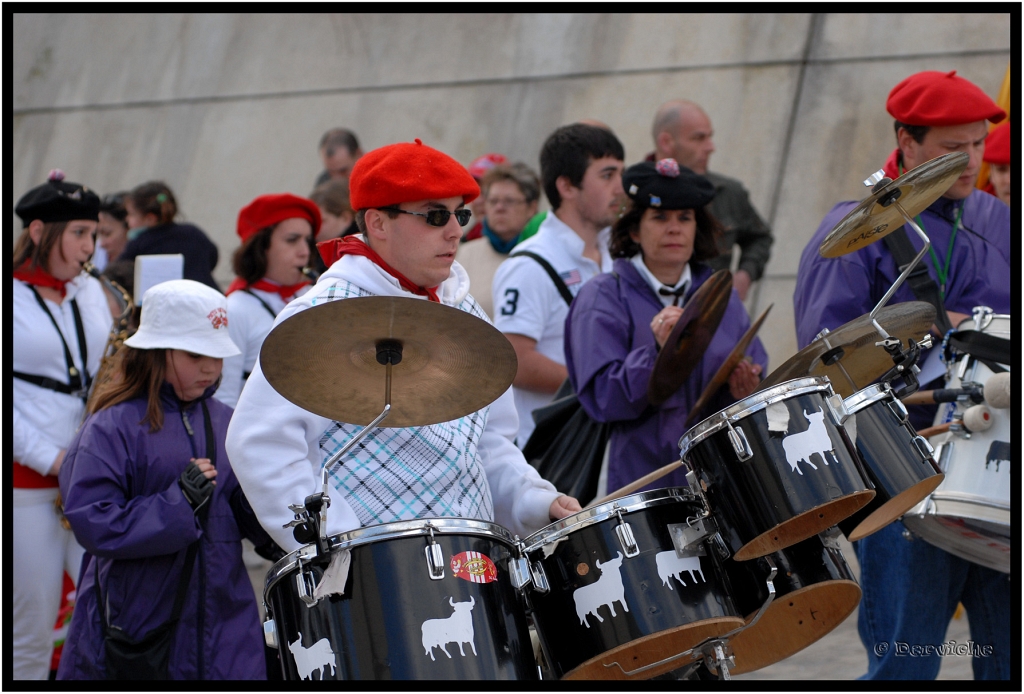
725	370
690	337
851	347
324	360
875	217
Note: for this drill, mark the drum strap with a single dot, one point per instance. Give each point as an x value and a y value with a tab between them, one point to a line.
559	283
921	283
988	349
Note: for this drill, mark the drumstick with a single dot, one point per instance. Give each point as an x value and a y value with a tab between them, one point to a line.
936	430
638	484
721	376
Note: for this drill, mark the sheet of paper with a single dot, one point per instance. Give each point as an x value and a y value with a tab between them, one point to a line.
151	270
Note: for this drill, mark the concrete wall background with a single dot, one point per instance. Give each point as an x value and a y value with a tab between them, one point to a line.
226	107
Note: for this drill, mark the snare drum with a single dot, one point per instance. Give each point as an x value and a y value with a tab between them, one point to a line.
611	596
426	599
777	467
815	591
898	462
969	513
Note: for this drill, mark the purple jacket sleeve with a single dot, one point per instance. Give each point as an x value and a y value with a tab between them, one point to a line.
106	522
609	378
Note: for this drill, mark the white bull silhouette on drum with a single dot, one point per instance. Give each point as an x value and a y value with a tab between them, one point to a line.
606	591
802	445
319	656
458	628
670	564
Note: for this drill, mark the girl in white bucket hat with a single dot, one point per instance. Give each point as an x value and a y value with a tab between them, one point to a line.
150	493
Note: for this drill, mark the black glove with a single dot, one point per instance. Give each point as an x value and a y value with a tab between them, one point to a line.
198	487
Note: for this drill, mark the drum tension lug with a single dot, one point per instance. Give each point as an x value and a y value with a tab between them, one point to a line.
539	578
625	534
519	567
305	584
837	405
739	443
270	633
435	557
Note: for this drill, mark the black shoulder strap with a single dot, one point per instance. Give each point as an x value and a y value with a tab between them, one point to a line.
559	283
75	378
265	304
921	283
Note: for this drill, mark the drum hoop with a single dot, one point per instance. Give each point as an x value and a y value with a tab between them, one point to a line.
751	405
598	514
390	531
966	323
866	397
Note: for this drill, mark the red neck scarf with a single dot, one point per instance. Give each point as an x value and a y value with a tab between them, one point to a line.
40	278
334	249
287	291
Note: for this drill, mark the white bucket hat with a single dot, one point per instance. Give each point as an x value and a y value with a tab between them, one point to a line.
183	314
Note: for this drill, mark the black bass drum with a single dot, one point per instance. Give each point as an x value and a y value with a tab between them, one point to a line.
777	467
428	599
612	598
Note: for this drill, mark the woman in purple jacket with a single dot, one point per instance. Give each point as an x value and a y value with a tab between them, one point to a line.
145	478
620	320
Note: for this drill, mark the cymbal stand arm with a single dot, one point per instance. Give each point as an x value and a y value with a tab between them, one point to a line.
906	271
333	460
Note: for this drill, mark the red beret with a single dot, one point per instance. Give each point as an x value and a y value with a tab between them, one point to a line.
997	145
940	98
405	172
482	165
268	210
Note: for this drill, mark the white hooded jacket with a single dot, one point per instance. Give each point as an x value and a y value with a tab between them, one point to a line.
467	468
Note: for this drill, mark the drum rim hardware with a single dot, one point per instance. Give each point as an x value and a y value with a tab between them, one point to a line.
388	531
750	405
597	514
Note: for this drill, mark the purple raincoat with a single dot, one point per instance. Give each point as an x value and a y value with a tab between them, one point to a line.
121	495
610	353
831	292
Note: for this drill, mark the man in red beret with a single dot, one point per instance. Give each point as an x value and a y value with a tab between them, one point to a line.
997	154
410	202
911	588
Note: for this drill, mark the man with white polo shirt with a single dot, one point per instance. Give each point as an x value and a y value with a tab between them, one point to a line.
581	170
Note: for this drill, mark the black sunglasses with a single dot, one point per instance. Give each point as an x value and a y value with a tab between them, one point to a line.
437	218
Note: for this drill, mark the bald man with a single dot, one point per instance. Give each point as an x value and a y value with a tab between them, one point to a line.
682	131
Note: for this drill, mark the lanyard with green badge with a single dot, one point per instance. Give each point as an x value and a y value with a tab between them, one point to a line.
941	271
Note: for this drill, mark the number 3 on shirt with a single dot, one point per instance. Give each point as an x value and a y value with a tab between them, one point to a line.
511	299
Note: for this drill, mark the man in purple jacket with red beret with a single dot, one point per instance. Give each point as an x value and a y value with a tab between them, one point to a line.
912	588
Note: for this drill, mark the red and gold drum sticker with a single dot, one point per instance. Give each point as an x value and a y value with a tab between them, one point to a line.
474	567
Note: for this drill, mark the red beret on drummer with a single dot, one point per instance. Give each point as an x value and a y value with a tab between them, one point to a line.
407	172
940	99
997	145
267	210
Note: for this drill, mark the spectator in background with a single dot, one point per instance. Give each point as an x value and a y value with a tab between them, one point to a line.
581	169
339	151
151	211
477	169
112	230
997	154
511	193
336	217
277	234
682	131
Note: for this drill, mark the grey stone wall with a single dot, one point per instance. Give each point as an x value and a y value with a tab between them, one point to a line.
226	107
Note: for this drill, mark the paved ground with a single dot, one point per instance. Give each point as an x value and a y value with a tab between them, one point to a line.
837	656
841	656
